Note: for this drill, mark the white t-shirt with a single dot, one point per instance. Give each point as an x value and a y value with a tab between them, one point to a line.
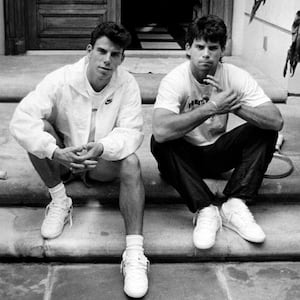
95	97
180	92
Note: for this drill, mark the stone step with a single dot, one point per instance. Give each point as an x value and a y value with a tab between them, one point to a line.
24	187
193	281
97	235
20	74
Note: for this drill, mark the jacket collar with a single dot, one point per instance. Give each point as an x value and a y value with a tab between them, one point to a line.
77	77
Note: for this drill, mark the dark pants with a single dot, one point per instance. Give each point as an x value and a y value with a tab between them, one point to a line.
247	149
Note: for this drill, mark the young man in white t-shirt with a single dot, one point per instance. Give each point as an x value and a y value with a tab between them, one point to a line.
190	141
86	119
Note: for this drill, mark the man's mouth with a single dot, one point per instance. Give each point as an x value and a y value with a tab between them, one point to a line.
205	63
105	69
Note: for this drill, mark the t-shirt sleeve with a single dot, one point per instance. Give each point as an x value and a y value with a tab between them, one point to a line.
252	94
171	93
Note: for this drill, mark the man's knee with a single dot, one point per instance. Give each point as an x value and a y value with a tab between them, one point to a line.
130	168
269	138
159	150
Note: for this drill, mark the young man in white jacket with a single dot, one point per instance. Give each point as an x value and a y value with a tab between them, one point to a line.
86	119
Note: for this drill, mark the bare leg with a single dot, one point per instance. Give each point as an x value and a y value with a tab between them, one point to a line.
49	171
59	211
134	264
132	194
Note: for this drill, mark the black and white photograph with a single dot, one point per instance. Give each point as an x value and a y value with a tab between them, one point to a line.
149	150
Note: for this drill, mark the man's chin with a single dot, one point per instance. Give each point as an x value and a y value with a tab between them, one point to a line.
203	69
104	73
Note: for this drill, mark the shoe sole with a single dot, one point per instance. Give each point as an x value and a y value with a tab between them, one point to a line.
210	246
136	295
227	225
67	220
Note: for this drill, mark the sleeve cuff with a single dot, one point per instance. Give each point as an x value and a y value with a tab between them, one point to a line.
50	150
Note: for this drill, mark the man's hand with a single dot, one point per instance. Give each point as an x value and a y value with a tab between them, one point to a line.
92	151
87	157
225	101
69	157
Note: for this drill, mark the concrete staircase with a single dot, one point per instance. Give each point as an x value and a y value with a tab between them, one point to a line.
97	234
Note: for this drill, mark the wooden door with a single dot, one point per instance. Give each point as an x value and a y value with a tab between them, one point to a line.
66	24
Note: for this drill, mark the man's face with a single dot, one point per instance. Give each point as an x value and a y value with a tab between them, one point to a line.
104	58
204	56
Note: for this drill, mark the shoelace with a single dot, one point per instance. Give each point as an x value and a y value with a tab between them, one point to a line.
205	218
139	265
244	213
54	211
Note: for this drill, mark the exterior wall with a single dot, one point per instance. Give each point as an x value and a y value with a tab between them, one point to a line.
2	38
238	27
267	38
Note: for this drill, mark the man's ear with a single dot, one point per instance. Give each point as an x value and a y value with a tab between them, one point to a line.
89	48
188	50
123	57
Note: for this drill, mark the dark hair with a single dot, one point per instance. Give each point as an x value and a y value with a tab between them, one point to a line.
210	28
118	34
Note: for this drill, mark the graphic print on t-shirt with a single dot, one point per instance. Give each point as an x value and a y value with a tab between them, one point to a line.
200	94
211	128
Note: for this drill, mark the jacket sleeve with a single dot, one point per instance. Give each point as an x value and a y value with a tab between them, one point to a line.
27	125
127	135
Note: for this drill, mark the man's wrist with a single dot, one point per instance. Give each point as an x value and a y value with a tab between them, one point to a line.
213	107
54	154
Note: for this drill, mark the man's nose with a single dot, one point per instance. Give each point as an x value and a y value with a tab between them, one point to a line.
206	52
107	57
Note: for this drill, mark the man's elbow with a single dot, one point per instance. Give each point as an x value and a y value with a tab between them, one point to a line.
278	124
159	134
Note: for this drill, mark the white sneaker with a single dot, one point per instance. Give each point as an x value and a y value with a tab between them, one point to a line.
56	216
207	222
134	270
237	217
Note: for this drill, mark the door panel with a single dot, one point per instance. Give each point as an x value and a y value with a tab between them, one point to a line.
65	24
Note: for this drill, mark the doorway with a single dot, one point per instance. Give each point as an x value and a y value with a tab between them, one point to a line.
157	24
162	24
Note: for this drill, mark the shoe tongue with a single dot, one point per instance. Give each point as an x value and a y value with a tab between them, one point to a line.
237	203
61	203
209	211
134	254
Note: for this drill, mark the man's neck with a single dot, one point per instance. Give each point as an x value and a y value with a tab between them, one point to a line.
201	75
99	85
96	84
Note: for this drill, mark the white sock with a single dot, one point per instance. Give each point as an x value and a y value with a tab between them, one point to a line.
58	193
134	244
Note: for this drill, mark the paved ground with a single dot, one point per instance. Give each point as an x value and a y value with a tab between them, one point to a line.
197	281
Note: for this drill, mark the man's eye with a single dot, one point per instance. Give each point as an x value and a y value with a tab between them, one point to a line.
116	54
102	51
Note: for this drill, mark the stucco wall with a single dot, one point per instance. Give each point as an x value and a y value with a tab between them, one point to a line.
1	28
266	39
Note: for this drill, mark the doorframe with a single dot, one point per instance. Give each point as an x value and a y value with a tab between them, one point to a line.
17	23
15	27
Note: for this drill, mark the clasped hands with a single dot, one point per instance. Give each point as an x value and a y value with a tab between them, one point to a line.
79	159
224	101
